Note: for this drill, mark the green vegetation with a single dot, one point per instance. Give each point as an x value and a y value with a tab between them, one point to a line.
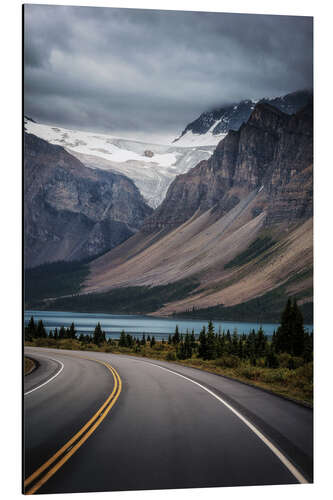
257	247
283	365
129	300
53	280
265	308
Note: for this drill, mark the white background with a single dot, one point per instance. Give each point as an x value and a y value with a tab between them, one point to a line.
11	224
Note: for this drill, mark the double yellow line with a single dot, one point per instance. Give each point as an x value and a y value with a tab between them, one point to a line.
53	464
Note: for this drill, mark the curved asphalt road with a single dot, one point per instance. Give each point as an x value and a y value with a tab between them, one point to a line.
164	431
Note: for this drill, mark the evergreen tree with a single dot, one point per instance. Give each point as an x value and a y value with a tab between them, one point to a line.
143	340
41	332
72	331
271	359
234	343
56	336
152	342
202	343
62	332
211	342
290	336
122	340
176	337
98	335
192	339
30	330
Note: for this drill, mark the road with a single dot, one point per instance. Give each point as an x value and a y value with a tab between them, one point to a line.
112	423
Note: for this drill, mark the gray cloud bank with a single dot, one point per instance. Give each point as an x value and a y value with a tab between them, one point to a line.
144	72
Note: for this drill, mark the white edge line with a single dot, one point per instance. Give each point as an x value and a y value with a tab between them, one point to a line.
49	380
292	469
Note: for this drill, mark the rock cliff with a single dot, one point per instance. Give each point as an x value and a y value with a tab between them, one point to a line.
272	153
73	212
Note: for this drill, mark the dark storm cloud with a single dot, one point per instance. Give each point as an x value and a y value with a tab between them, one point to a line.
139	71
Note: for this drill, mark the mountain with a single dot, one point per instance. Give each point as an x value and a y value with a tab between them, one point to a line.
152	167
237	227
73	212
212	126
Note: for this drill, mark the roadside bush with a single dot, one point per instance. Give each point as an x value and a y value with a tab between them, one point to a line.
45	343
276	376
69	344
108	348
250	372
306	371
228	361
284	359
171	356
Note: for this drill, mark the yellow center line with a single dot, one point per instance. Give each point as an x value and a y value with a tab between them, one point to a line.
108	404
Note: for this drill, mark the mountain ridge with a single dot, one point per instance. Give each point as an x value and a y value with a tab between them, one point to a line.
212	126
257	184
73	212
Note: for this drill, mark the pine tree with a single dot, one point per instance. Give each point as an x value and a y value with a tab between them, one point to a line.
152	342
298	343
234	343
290	336
192	339
122	340
143	340
176	337
72	331
62	332
188	346
41	332
202	343
211	342
30	330
56	336
99	335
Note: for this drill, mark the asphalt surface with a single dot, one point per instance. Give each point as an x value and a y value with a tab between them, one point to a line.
163	431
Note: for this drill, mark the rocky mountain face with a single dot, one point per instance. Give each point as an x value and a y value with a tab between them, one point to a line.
152	167
238	225
73	212
272	153
220	121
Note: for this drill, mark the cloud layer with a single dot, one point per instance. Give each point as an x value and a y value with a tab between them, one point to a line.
148	73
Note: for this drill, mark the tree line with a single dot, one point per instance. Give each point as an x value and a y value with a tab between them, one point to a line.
290	337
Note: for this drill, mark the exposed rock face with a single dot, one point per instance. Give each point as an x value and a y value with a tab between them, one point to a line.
226	118
256	187
271	152
148	153
73	212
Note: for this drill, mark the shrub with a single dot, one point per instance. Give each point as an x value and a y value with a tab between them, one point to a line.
250	372
228	361
171	356
276	376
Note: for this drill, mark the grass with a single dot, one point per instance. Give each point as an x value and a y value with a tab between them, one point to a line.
296	383
29	365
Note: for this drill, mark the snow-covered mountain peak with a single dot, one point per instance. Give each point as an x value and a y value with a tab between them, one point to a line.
151	166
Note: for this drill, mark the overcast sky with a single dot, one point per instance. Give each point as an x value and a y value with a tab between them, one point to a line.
145	73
